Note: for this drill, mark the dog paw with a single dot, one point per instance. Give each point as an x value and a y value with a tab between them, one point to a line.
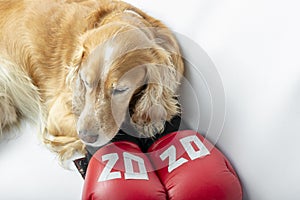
151	122
149	129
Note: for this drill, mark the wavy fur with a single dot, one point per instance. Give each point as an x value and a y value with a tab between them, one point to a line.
70	65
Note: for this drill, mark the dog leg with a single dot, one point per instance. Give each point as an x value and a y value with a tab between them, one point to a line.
61	125
8	111
18	96
8	114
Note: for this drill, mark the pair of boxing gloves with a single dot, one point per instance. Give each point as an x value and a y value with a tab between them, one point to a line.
180	165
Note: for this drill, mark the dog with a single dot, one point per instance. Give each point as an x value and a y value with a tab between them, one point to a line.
81	68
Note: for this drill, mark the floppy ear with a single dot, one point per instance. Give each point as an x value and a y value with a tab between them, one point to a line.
158	102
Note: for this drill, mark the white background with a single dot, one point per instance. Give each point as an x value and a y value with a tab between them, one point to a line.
255	46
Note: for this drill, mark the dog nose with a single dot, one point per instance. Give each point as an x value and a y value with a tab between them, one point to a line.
88	137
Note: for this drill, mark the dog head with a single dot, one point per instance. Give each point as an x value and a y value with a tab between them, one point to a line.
126	74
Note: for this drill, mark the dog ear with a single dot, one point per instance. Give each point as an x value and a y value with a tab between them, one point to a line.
158	102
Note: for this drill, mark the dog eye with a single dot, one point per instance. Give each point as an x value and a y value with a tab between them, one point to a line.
117	91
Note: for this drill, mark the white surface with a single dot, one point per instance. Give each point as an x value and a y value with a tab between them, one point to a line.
255	45
29	171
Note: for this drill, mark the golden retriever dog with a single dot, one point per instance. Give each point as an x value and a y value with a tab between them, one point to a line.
79	67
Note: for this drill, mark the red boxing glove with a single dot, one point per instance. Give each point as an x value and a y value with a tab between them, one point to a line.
191	168
120	170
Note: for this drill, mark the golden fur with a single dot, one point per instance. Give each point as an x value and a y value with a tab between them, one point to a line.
76	66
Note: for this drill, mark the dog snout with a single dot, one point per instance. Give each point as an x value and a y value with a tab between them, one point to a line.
87	136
